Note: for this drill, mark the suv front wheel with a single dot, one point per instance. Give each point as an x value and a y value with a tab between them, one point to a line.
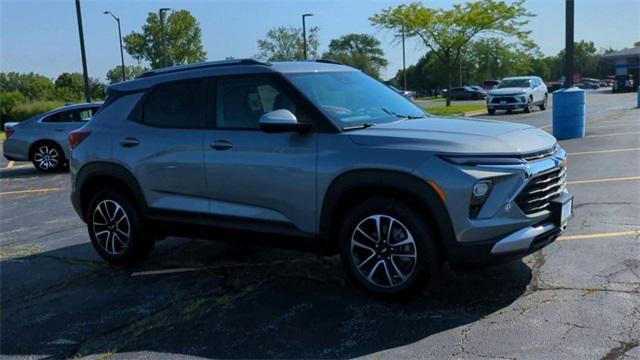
387	248
116	229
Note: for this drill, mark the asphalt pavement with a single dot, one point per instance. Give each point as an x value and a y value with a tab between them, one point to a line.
578	298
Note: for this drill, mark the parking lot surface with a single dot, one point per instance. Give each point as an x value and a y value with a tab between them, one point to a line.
577	298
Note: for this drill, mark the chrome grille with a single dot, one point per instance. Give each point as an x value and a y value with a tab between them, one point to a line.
542	188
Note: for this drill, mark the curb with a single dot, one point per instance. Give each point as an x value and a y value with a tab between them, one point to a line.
475	113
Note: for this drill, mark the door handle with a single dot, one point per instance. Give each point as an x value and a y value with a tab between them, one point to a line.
221	145
129	142
59	130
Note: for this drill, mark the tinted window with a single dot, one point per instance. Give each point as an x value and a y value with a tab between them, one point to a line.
240	102
85	114
63	116
175	105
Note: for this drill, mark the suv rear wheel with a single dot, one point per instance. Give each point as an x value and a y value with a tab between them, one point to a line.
116	229
47	157
387	248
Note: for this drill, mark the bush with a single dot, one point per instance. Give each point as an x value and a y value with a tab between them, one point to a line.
26	110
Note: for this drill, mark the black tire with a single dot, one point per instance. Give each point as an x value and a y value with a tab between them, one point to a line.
492	111
527	109
509	111
543	106
139	243
405	274
47	157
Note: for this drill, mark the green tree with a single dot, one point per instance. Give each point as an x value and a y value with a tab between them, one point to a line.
183	38
69	87
31	85
447	32
131	71
286	44
361	51
495	58
8	100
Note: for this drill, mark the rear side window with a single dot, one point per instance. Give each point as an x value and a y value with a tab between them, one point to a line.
85	115
175	105
63	116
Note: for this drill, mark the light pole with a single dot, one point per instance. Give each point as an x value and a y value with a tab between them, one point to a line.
164	43
404	62
87	89
304	35
568	53
124	73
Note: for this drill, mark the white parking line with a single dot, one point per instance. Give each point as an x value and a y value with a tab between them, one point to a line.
603	151
29	191
165	271
577	182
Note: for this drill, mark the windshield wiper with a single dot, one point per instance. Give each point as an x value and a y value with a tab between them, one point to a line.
409	117
360	126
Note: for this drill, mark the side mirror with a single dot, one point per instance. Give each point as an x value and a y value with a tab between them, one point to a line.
282	120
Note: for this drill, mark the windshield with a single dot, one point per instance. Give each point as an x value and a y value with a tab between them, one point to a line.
351	98
518	83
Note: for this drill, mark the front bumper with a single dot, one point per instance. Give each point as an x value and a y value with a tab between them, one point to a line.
517	244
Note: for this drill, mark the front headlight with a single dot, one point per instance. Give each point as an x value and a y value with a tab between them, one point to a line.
482	160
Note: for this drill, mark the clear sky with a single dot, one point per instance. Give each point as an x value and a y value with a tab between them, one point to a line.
42	35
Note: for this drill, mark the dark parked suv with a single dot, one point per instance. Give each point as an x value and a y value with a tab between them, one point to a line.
313	152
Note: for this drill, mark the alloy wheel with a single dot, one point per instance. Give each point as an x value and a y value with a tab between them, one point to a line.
383	251
46	157
111	227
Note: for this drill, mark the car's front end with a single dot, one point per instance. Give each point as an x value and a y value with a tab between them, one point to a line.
503	184
510	205
508	99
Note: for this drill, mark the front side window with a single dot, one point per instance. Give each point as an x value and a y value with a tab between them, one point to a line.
175	105
241	101
351	98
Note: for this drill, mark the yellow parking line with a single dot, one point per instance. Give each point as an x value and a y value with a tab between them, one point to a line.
614	134
604	151
165	271
603	180
29	191
546	126
600	235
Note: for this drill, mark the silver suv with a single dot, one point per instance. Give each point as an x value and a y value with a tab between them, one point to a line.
318	153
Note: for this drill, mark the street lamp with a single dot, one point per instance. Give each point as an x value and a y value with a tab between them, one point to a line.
164	43
304	35
85	74
124	74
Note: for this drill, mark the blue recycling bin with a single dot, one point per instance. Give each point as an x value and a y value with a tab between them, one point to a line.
569	110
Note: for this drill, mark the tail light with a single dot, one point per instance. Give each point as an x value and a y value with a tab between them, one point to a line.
77	136
8	132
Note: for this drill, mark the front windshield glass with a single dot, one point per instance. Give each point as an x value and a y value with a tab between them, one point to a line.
351	98
518	83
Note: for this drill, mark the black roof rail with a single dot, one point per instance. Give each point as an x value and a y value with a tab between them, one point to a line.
202	65
329	61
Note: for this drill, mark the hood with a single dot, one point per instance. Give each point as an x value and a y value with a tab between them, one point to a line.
509	91
456	135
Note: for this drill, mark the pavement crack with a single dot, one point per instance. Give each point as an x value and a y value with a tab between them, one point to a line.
619	351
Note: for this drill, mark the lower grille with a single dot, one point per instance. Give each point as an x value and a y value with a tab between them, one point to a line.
542	188
509	100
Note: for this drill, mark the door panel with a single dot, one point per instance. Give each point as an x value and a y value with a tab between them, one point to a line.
269	177
168	164
164	147
256	175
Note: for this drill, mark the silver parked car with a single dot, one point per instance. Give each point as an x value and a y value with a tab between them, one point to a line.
318	153
42	139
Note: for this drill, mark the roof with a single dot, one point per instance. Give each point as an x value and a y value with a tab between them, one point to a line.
631	52
77	106
225	67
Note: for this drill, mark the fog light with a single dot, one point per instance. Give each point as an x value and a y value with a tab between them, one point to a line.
479	195
481	189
